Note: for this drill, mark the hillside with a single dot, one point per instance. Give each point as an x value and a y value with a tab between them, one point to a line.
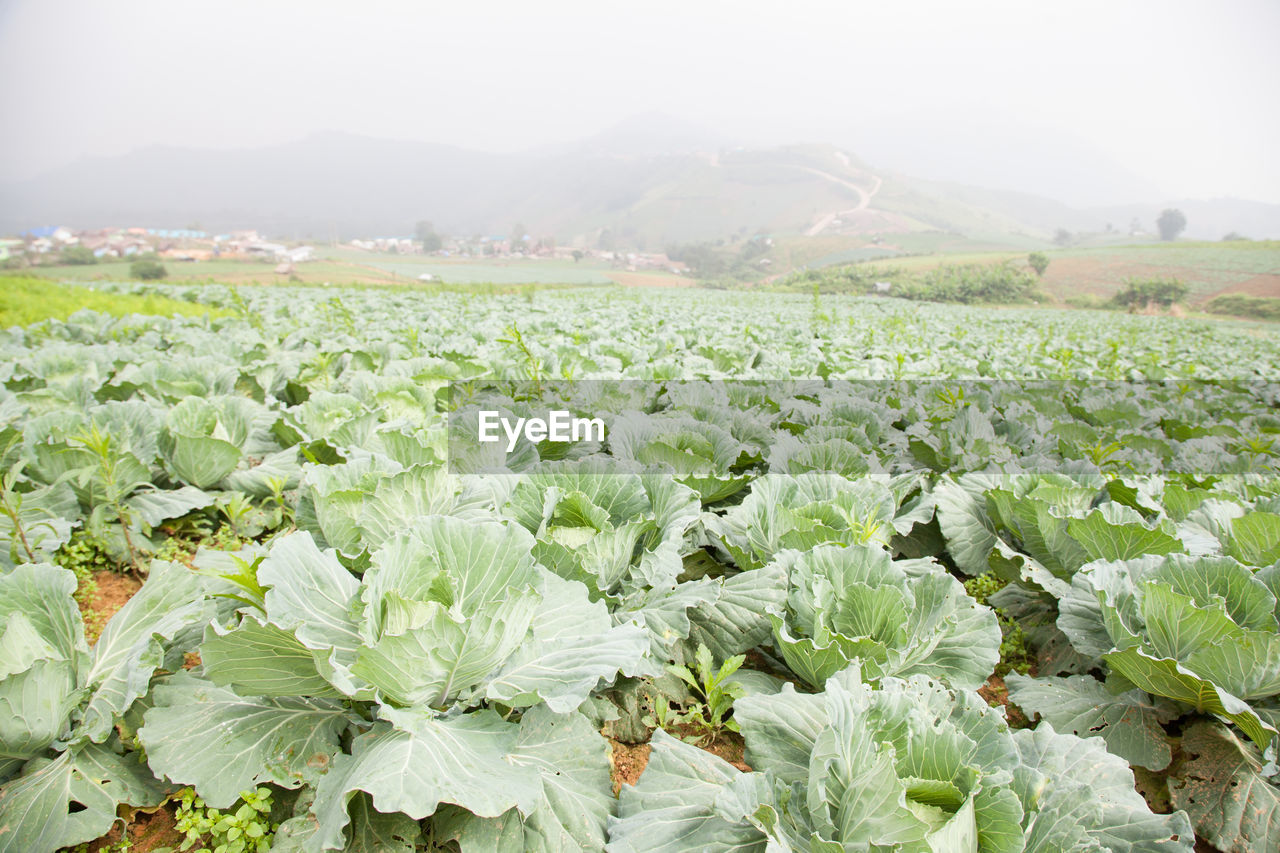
643	190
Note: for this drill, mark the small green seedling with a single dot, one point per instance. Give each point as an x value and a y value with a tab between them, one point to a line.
715	692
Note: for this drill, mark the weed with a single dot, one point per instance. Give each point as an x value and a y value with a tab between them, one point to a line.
708	714
1014	654
86	555
533	365
243	829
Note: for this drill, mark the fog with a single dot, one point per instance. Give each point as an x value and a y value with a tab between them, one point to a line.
1162	99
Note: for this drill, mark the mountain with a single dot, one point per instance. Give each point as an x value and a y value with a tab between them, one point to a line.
646	184
1003	153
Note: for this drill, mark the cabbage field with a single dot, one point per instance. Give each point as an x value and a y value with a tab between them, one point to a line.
844	575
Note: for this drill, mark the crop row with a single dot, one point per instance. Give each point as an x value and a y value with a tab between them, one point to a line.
405	656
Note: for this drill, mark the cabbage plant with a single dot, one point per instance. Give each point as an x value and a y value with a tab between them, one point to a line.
453	668
359	504
895	617
701	455
204	440
63	767
1191	645
783	511
620	532
908	766
1200	631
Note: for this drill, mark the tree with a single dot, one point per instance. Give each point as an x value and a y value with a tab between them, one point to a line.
1138	293
147	270
78	256
426	234
1171	223
1039	262
517	237
577	255
1062	237
701	258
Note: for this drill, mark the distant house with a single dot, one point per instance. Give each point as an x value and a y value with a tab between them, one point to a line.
284	269
883	286
51	234
187	254
300	254
269	250
398	245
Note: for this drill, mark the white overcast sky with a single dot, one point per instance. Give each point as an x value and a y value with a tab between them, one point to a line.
1181	94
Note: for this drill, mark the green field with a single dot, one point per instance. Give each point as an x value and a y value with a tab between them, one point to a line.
226	271
1077	274
25	300
344	267
922	554
1206	268
497	272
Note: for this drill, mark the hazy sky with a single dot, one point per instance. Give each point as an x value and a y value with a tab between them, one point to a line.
1174	92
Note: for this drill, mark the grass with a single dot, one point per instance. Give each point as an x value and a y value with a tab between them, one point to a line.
496	272
952	243
1250	307
1091	272
1208	269
347	267
473	270
26	299
1230	245
928	262
224	272
1244	257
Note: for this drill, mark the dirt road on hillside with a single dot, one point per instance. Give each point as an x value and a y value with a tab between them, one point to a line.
864	199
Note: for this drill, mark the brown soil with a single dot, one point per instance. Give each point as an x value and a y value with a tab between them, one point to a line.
112	590
1069	276
1259	285
641	279
148	831
1103	276
728	746
629	761
994	693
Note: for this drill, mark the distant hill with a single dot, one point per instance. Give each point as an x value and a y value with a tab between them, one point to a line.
646	184
1207	219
